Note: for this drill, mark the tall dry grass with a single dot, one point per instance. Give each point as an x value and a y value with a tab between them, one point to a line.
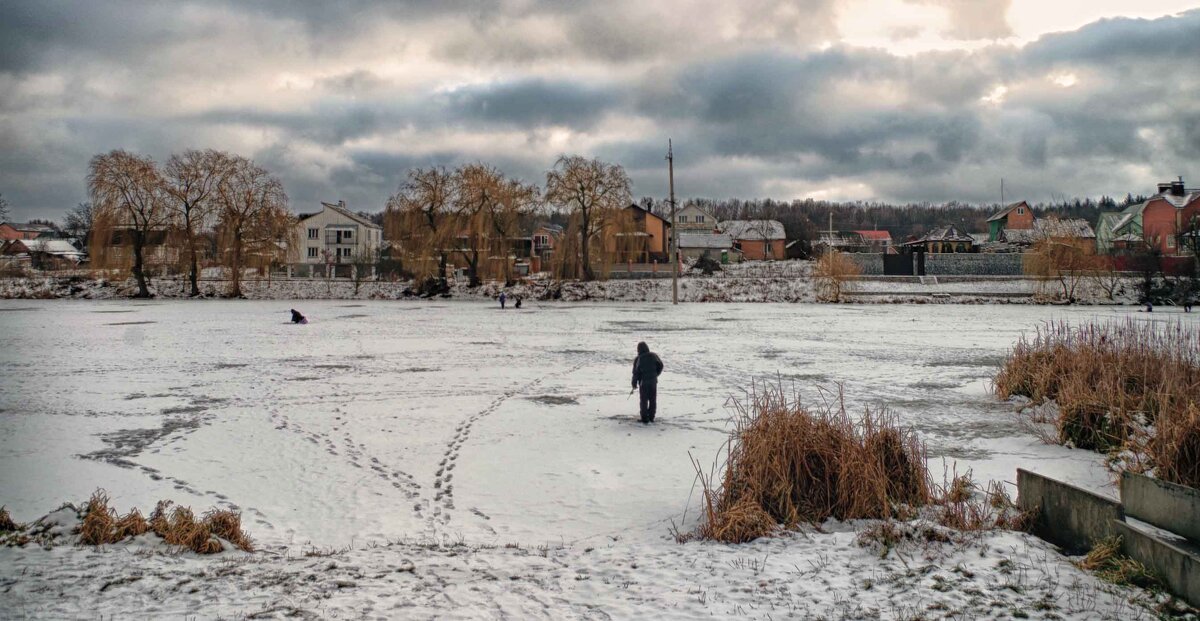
1121	386
787	464
175	524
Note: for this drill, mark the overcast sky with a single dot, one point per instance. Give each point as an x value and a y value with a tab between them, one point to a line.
895	100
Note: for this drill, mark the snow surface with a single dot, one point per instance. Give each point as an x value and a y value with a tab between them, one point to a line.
495	451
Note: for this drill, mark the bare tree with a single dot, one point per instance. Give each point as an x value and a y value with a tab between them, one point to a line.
3	209
1059	261
592	189
253	219
191	182
1104	275
419	219
80	220
516	203
127	190
833	273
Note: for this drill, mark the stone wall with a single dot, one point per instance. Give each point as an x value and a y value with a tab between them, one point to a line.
973	264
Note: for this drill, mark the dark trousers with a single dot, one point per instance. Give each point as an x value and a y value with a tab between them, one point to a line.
648	400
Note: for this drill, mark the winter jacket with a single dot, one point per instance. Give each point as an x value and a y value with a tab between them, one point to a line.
646	369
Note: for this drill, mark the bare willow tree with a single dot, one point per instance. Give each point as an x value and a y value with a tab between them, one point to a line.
127	191
833	273
591	189
517	202
253	220
419	219
191	182
1059	261
476	192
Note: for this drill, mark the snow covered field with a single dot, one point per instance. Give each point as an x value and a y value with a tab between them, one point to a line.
460	460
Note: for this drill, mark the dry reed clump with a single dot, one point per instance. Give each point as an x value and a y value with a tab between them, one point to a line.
787	464
1106	560
964	506
1122	386
6	522
176	525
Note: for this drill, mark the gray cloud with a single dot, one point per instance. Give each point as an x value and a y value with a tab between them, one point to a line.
753	107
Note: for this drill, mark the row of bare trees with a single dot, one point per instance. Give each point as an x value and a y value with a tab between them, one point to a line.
474	212
195	196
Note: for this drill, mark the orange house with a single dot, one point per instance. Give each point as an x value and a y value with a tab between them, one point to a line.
15	230
639	236
1158	222
757	240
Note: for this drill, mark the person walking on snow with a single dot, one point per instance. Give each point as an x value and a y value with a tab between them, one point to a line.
646	369
503	299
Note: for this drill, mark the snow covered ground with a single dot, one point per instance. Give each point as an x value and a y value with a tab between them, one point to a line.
450	459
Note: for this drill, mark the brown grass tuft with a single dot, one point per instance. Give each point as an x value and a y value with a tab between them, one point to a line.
1128	387
1106	560
176	525
787	464
6	522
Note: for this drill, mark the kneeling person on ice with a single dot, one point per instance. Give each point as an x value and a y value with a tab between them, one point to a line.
646	369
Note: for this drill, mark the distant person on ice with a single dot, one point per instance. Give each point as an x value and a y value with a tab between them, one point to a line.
503	299
646	369
297	317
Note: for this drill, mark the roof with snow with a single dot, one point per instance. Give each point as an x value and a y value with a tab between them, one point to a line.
945	234
340	208
1065	227
760	230
718	241
26	227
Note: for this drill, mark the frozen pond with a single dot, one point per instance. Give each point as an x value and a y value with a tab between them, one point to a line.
385	420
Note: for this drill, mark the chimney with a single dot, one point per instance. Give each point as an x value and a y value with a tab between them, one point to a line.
341	203
1164	187
1177	187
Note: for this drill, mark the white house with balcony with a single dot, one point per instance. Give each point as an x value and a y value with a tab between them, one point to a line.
694	219
332	241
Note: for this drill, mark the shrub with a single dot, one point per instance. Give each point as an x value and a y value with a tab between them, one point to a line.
832	274
1122	386
177	526
6	522
787	464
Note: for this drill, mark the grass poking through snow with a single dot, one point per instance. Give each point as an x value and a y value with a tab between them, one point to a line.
175	524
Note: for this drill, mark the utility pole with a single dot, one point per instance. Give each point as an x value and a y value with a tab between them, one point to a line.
674	226
1001	192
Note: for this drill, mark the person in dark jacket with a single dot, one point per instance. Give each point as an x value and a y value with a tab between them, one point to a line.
297	317
646	369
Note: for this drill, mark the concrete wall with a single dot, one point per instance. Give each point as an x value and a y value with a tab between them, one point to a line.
1067	516
1166	505
1177	566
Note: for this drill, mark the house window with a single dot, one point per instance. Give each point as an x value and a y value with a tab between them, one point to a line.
1020	211
542	240
314	233
312	252
1170	242
699	218
343	252
345	236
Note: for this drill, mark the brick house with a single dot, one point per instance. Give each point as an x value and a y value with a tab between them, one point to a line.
1017	217
757	240
18	230
1156	223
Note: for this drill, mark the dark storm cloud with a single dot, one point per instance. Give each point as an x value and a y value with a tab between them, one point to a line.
532	103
